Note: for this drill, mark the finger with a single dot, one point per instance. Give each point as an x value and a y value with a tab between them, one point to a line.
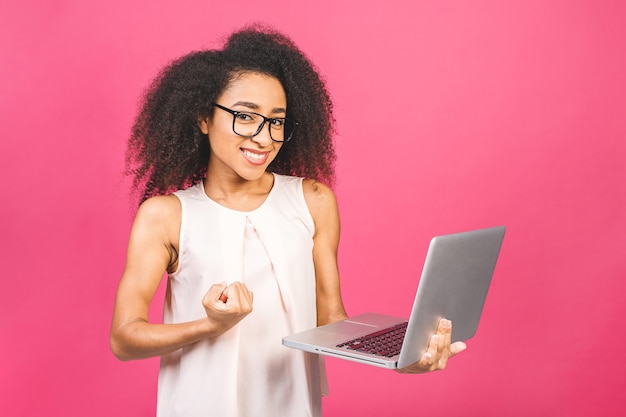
216	291
444	330
223	297
429	359
457	347
239	297
237	290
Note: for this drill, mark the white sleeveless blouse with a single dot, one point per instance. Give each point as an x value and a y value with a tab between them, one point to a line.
246	371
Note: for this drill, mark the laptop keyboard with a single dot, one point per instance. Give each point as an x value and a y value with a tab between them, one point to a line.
386	342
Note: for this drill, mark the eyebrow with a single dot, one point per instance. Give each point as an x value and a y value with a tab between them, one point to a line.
254	106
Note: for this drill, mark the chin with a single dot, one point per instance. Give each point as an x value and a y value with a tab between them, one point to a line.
253	174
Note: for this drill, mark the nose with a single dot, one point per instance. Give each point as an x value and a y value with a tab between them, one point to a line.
263	138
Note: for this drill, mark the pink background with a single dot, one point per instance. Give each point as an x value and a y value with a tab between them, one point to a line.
452	115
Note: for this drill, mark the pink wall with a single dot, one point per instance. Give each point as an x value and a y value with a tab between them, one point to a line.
451	116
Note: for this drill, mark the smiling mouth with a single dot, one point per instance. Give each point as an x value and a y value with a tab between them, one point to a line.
255	158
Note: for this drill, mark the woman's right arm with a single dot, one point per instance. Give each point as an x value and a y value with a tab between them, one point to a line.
152	249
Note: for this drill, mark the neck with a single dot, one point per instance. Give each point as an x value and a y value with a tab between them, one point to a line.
238	193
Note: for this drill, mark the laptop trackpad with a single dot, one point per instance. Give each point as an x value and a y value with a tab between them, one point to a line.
349	328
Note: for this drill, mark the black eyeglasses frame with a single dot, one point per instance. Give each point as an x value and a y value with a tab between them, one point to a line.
235	113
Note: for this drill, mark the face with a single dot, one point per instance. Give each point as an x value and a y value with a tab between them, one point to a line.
231	154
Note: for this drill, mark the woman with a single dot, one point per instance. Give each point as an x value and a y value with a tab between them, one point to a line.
230	153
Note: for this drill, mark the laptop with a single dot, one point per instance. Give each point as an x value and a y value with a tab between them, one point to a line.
455	279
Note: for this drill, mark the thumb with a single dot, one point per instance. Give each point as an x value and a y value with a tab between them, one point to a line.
217	292
457	347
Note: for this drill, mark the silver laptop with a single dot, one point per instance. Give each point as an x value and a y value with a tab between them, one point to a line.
454	284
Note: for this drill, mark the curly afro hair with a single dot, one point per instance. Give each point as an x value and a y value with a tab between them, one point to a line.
167	151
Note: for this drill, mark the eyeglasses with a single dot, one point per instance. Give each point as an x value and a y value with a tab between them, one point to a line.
249	124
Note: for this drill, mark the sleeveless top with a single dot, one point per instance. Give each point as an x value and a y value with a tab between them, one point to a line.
246	371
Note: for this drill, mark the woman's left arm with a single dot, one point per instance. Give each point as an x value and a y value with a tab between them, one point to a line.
323	207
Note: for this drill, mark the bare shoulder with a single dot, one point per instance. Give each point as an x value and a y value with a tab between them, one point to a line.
322	204
318	196
160	208
159	215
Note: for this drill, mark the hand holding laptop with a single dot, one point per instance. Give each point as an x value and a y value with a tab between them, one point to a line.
453	286
440	349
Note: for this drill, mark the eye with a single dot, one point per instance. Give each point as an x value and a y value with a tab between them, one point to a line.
244	117
278	123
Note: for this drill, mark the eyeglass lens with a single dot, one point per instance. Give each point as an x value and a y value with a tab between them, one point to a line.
250	124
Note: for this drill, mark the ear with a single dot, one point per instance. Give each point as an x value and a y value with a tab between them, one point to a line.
203	124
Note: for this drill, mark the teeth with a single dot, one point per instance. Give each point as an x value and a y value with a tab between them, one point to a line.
252	155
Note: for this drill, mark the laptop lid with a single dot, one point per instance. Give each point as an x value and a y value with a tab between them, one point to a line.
455	279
